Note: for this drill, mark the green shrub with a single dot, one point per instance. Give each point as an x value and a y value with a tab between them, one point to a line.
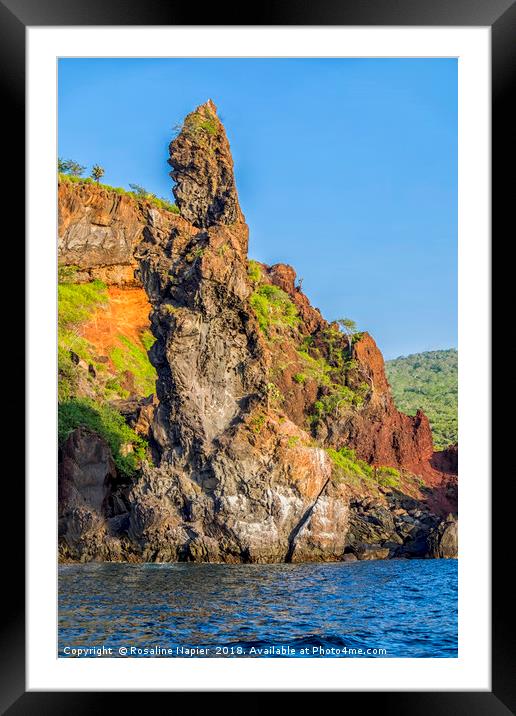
70	167
317	368
333	403
257	423
387	476
196	122
300	378
273	307
109	424
254	271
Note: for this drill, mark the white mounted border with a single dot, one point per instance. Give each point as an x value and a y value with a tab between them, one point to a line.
471	670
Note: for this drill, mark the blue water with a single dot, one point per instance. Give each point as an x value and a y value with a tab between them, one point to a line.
393	608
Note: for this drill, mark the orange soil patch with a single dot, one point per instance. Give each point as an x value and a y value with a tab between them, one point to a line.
126	314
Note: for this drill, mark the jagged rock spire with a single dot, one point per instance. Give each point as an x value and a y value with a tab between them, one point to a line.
205	189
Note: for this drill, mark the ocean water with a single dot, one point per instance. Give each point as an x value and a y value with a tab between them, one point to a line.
375	609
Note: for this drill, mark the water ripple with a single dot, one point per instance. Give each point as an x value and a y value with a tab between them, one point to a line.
406	607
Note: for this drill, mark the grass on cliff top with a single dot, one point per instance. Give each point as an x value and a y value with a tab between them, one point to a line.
160	202
428	381
128	448
350	469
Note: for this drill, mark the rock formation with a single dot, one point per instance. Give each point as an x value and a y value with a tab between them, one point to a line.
247	416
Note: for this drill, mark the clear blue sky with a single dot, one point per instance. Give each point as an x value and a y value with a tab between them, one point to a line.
346	169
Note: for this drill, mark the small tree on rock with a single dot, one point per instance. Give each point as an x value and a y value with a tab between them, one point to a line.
70	166
97	172
140	191
349	328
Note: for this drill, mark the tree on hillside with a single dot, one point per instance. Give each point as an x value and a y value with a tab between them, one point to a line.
70	166
140	191
349	328
97	172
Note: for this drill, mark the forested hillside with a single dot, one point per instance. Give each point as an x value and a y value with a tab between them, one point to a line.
428	381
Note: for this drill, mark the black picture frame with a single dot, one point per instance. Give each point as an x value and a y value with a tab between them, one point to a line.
500	16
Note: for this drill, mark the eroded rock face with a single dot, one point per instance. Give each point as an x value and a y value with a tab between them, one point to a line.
236	477
447	460
398	526
234	482
99	231
90	499
443	541
379	432
205	189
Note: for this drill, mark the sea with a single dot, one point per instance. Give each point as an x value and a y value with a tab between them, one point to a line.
366	609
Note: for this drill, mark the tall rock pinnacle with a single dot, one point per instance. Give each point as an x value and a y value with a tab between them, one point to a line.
200	156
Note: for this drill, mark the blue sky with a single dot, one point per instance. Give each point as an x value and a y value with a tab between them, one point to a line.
346	169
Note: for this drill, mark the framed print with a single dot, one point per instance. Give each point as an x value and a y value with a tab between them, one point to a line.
263	254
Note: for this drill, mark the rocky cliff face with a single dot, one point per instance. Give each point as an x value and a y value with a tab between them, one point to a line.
258	397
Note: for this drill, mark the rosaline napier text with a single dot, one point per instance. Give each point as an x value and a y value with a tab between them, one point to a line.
189	651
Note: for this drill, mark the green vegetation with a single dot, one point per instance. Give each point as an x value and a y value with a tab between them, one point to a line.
317	369
428	381
274	395
254	271
141	196
134	358
335	398
300	378
197	122
387	476
348	328
63	176
127	447
257	423
97	172
196	253
71	167
87	383
148	340
325	363
273	307
350	469
76	303
339	397
77	300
